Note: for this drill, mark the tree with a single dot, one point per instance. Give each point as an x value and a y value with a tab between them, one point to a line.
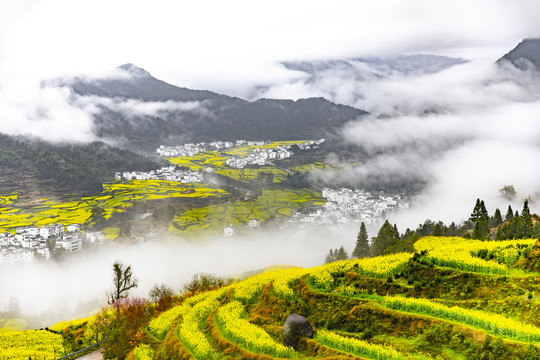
13	307
527	220
496	219
509	213
386	237
480	218
508	192
203	282
159	292
123	281
341	254
330	257
362	244
438	229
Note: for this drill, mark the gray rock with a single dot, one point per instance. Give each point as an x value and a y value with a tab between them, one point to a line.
294	328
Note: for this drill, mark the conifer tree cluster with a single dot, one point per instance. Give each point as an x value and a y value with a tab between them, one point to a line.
336	255
518	226
480	225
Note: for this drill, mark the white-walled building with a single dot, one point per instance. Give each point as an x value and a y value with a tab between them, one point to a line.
95	237
228	231
73	228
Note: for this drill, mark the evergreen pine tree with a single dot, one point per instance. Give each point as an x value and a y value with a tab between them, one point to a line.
496	219
527	220
362	244
437	230
453	229
509	213
480	219
341	254
330	257
386	237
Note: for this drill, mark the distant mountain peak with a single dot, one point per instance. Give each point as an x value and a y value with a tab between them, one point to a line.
526	51
134	70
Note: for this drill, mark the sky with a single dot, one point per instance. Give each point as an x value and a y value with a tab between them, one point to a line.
229	46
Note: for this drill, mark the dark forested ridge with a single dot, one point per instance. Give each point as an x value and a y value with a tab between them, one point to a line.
30	164
211	116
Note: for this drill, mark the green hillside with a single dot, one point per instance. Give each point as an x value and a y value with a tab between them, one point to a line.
431	304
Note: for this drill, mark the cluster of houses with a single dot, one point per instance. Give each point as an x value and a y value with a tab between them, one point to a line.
169	173
346	205
29	242
261	156
192	149
229	231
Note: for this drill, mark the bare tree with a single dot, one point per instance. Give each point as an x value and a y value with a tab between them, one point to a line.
123	281
159	292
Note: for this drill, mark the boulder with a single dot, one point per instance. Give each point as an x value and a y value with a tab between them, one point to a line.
294	328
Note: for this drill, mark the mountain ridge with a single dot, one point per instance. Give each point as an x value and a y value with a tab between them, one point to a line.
212	116
525	53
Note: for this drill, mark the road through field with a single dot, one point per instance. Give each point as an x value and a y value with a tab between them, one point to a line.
96	355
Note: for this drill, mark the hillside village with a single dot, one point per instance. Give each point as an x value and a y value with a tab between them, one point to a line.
169	173
342	207
31	242
345	205
259	156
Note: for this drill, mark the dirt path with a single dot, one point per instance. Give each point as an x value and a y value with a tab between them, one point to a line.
96	355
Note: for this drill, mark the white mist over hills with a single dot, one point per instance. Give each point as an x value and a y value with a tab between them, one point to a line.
466	131
464	128
60	291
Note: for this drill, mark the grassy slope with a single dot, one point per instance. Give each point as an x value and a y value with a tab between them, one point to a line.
344	300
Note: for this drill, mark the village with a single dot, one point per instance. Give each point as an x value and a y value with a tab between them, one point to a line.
343	206
346	205
31	242
259	156
168	173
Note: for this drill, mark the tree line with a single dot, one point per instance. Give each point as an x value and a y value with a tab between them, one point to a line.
73	166
480	225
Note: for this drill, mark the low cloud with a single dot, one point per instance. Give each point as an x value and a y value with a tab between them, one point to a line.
59	291
450	136
466	132
29	109
131	108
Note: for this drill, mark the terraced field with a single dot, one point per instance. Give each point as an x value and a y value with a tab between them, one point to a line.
399	306
203	160
116	197
271	204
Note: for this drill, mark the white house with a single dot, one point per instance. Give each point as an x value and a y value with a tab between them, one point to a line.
95	236
73	227
256	222
44	251
30	230
71	244
228	231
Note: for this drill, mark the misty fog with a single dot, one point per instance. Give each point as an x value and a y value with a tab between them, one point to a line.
463	132
78	285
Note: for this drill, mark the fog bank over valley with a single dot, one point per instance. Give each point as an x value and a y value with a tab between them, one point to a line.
78	285
456	134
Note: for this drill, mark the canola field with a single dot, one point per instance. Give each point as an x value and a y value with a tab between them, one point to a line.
116	197
364	308
215	161
271	204
119	196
